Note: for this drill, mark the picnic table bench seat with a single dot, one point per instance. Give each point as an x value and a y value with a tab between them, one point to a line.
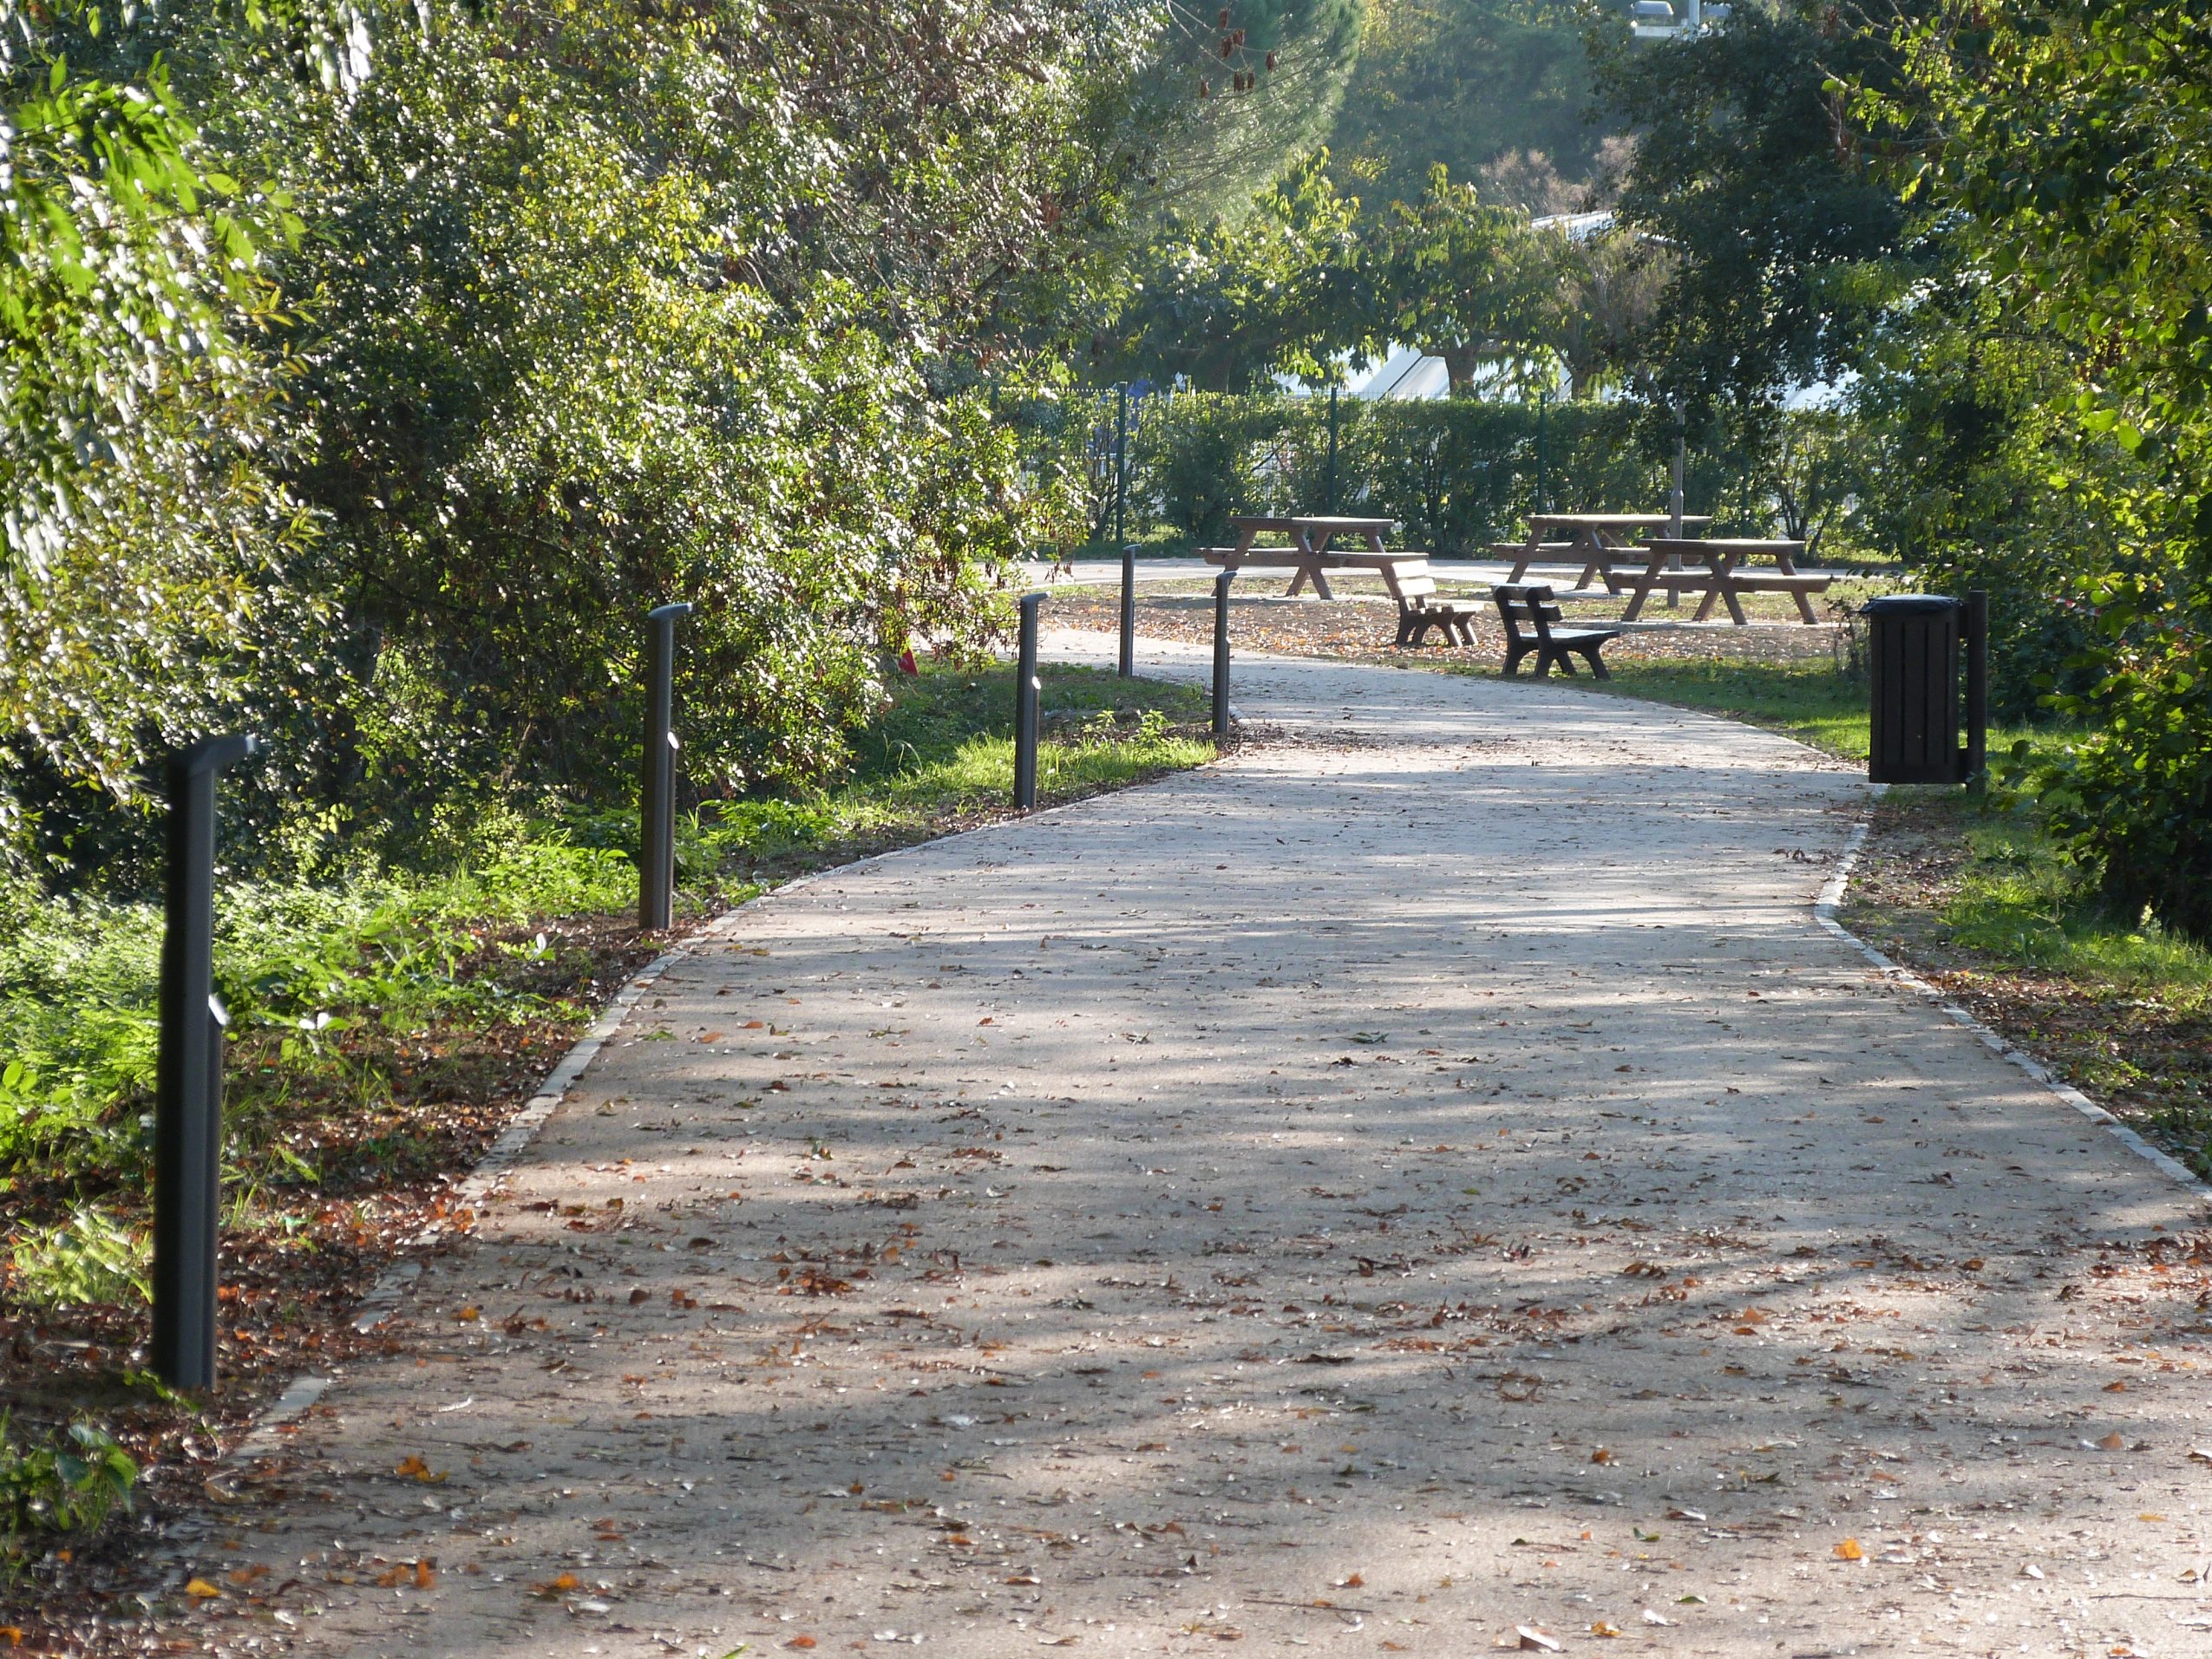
1532	604
1547	550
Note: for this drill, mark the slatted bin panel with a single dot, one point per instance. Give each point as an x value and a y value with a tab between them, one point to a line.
1914	654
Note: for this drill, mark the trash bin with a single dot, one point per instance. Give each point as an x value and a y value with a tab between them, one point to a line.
1914	652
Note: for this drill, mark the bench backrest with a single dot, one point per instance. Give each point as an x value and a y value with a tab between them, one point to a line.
1529	602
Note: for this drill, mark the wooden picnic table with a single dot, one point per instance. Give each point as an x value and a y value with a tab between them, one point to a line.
1722	577
1308	554
1594	538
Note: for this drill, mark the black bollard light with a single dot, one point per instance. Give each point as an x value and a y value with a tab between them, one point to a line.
1977	688
657	788
1027	687
1221	657
1127	664
188	1077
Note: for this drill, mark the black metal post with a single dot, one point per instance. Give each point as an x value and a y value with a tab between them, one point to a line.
1027	687
1977	687
188	1077
1328	496
1128	662
1543	400
656	788
1221	657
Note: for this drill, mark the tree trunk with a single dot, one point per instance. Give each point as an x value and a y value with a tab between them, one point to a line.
1459	364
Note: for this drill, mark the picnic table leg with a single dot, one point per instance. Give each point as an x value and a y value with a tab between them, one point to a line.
1644	588
1789	567
1594	544
1718	566
1724	588
1527	557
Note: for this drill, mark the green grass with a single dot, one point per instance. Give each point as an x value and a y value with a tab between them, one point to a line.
2019	902
944	753
1812	703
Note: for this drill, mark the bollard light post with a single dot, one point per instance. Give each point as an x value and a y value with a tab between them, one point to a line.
1027	687
1221	657
1977	688
656	787
189	1076
1128	661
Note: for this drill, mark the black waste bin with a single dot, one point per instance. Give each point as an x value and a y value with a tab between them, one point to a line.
1914	652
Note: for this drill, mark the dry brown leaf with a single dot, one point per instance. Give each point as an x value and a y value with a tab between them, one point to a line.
1601	1628
2114	1441
201	1590
415	1469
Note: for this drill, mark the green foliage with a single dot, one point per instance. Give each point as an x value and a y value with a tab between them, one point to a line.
61	1488
409	390
1783	240
134	410
1282	286
1472	283
2076	140
1467	84
91	1259
1456	472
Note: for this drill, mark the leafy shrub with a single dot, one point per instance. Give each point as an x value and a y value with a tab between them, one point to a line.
62	1486
2133	800
90	1260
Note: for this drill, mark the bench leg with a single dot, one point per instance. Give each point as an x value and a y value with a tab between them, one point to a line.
1597	662
1514	653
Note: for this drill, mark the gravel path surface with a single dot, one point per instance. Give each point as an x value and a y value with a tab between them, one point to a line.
1424	1184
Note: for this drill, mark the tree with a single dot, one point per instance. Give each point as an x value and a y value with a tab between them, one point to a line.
1612	284
2074	143
1470	284
1785	237
1284	288
1476	85
143	529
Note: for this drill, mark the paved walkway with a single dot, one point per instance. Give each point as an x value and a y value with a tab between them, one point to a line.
1425	1178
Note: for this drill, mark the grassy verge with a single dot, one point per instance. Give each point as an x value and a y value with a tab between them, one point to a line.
385	1023
1810	701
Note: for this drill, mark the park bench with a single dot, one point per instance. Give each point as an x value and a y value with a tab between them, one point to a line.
1420	610
1532	604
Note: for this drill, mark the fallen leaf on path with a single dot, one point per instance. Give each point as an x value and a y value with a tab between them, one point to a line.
2114	1441
201	1590
1601	1628
1849	1550
415	1469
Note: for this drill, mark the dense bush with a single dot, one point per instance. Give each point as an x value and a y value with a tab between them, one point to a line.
440	341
